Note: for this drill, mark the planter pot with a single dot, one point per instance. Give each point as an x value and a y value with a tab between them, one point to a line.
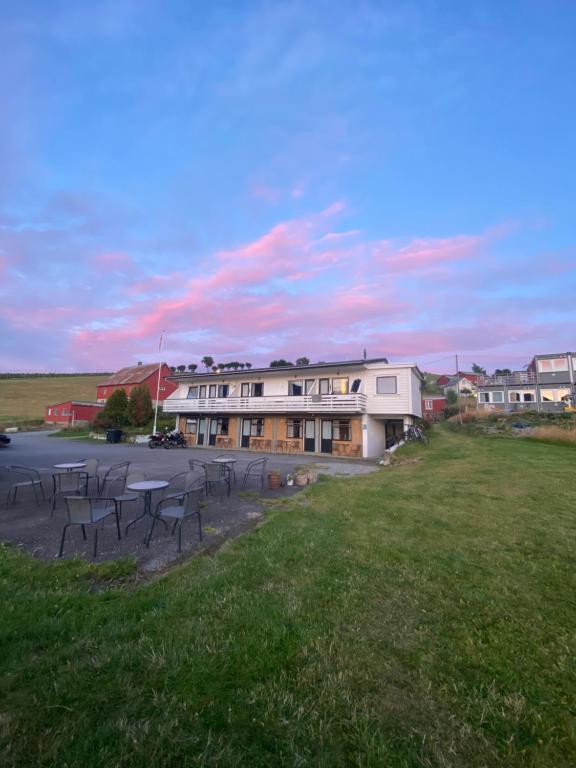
300	478
312	475
274	481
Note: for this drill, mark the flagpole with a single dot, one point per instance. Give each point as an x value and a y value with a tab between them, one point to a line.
158	387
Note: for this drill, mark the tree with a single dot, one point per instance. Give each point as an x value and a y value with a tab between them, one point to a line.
235	365
114	412
451	397
208	362
181	368
192	367
248	365
139	410
478	369
241	366
502	372
173	368
280	363
214	368
302	361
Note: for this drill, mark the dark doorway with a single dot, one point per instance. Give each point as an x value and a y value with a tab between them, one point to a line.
310	435
326	437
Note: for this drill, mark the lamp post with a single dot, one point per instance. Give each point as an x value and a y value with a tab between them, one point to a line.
158	386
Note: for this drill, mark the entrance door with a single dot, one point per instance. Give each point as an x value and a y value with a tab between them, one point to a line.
201	430
310	435
212	432
245	441
326	441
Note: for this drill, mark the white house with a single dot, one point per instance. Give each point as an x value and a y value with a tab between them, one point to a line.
348	408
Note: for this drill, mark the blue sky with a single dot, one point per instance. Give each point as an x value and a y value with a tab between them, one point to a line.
271	179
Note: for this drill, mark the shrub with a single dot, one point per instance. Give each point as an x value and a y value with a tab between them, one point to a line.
554	434
114	412
139	410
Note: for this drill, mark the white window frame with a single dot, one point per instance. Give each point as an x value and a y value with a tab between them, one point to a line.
522	393
381	378
555	364
490	397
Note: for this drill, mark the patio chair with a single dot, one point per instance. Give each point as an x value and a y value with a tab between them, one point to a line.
32	479
183	482
114	474
91	470
169	509
89	510
214	477
67	483
197	464
256	468
126	495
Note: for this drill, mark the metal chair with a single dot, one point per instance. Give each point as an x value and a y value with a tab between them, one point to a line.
197	464
178	512
213	477
33	480
256	468
67	483
126	495
114	474
182	483
91	469
89	510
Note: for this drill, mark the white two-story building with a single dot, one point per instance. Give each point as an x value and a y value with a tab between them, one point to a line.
349	408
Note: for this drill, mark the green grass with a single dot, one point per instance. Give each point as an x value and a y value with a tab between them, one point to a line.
420	616
25	398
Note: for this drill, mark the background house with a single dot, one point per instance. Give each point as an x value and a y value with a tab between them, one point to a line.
137	376
433	407
466	383
72	413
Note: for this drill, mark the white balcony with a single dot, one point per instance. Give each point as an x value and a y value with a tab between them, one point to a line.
355	403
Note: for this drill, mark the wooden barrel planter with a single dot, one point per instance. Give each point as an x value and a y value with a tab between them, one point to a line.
300	478
274	480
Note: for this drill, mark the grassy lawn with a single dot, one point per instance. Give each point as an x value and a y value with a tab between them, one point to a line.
420	616
25	398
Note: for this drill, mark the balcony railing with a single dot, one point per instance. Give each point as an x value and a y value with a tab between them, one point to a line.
511	380
354	403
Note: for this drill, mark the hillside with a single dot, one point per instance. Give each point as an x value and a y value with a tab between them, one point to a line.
24	397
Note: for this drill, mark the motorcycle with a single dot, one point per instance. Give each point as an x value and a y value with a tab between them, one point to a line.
175	439
157	440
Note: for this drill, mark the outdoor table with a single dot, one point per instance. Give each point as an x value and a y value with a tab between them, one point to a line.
146	487
228	463
71	465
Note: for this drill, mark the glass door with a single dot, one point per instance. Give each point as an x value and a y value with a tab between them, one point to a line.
310	435
201	430
326	441
245	441
213	429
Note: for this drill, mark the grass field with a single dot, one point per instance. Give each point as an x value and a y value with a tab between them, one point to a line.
22	399
420	616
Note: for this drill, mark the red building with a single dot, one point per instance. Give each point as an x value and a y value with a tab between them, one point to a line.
137	376
72	413
433	407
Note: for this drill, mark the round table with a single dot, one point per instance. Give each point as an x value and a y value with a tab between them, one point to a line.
71	465
225	463
223	460
146	487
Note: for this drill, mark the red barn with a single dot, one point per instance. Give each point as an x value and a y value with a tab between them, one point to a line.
441	381
137	376
433	407
72	413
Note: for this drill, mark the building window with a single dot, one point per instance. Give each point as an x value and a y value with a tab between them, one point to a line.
356	385
428	405
339	386
341	430
193	393
491	397
554	395
521	397
386	385
252	390
553	365
294	428
295	388
256	427
222	390
191	426
309	386
49	411
324	386
212	390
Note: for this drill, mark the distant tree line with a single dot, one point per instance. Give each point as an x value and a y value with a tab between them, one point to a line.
208	362
46	375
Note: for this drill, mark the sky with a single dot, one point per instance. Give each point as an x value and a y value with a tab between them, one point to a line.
262	180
